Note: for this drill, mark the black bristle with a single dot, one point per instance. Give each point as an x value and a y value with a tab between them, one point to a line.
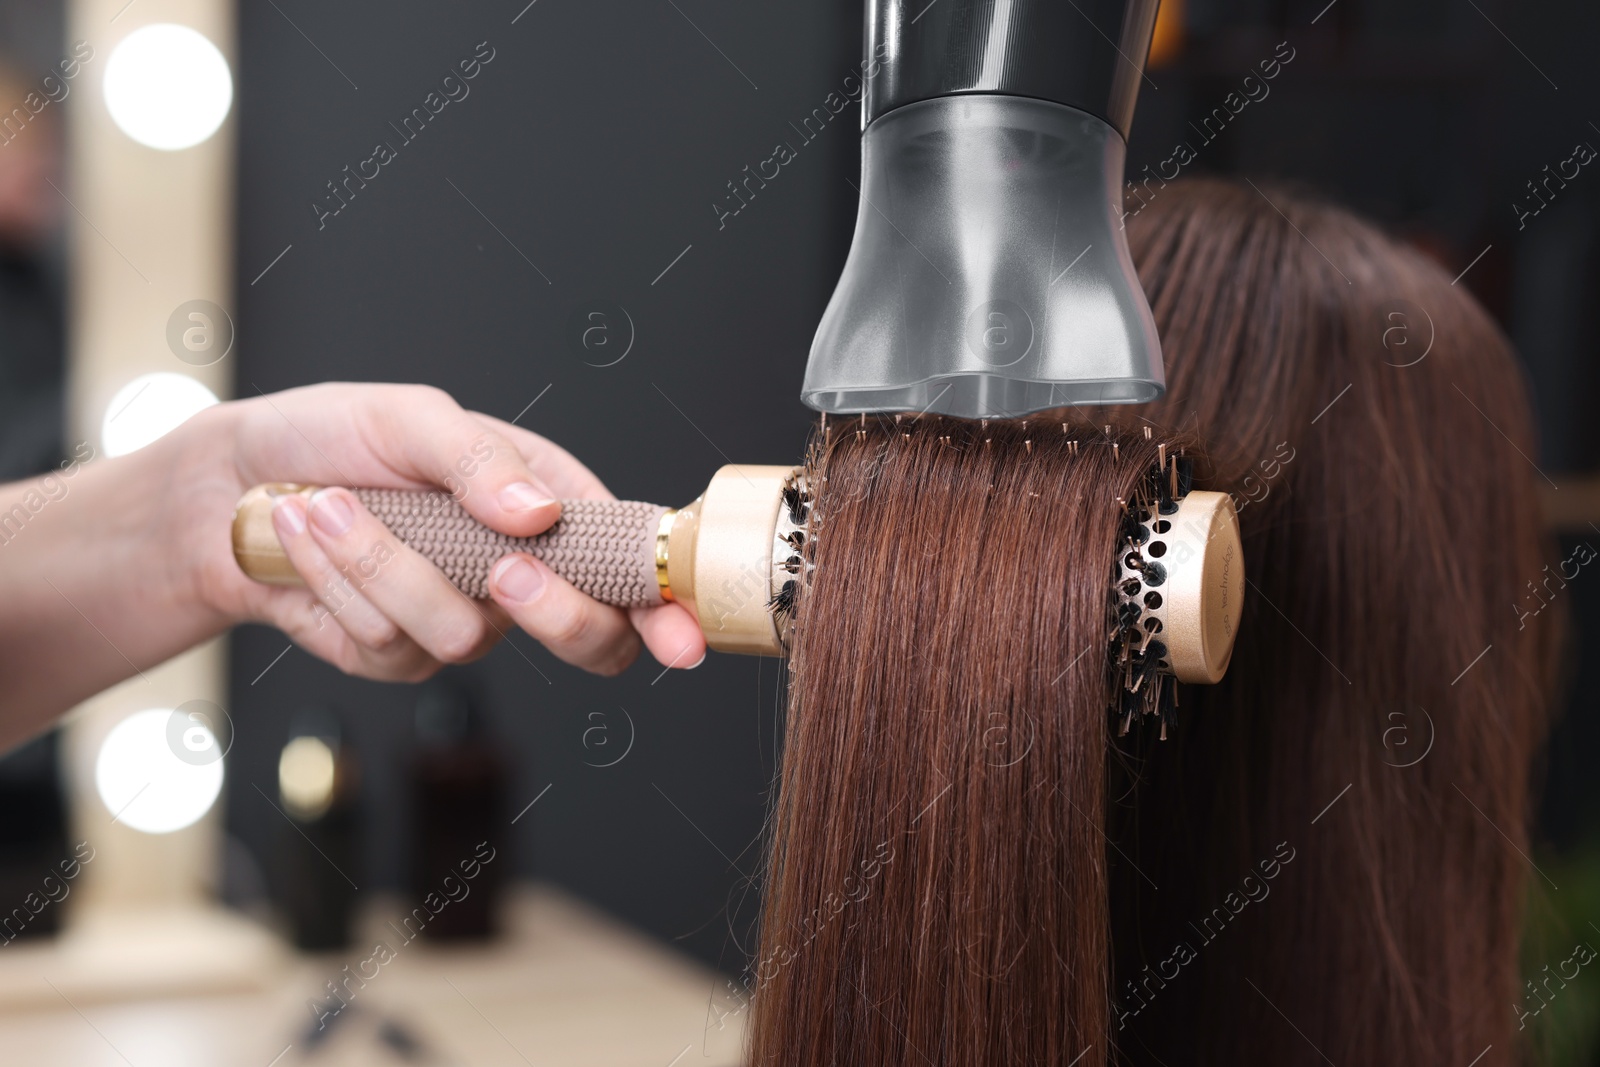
1162	487
783	601
1167	708
795	501
1132	704
1133	530
1139	660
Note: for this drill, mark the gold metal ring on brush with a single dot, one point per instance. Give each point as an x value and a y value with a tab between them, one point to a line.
663	552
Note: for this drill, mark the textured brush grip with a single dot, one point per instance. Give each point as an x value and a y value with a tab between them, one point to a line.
606	548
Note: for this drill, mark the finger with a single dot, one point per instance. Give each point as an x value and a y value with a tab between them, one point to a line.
337	596
579	630
300	615
671	634
495	616
434	439
330	618
553	465
398	581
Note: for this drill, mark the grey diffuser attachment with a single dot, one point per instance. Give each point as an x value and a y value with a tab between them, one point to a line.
989	275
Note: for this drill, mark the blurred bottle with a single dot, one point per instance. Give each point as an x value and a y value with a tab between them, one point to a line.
319	777
33	840
32	303
457	787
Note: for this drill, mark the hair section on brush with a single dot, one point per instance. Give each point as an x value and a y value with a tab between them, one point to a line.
937	883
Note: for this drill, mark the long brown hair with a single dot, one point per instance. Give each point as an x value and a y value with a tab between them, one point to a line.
1325	863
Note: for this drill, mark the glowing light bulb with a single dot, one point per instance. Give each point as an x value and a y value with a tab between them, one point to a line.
148	407
306	776
167	86
144	782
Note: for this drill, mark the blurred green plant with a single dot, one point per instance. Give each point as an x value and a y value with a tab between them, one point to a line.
1559	1003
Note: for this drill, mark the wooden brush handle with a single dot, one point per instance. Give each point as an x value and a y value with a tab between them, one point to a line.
606	548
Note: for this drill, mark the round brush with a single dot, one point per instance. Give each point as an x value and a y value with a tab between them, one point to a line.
732	557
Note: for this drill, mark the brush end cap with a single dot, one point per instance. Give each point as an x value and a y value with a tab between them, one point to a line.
725	558
255	542
1207	586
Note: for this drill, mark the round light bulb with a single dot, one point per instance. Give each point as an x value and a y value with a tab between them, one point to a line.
167	86
143	781
148	407
306	772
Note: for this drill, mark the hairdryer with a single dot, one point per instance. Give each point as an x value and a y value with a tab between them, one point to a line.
989	275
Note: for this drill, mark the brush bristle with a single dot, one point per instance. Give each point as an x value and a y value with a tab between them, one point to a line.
1138	658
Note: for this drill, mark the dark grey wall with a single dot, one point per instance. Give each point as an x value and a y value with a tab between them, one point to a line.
596	142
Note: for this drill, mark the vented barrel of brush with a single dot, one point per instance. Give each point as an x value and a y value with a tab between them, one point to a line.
989	275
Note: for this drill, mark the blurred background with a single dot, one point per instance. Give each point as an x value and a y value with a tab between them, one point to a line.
554	239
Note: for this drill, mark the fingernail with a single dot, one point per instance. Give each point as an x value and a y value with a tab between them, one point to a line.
518	580
522	496
287	519
330	512
696	663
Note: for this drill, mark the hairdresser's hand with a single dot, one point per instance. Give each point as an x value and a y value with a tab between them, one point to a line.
406	619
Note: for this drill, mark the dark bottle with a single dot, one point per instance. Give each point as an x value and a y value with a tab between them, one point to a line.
318	850
457	787
34	854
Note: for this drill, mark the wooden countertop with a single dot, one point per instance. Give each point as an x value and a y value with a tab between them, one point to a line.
564	985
